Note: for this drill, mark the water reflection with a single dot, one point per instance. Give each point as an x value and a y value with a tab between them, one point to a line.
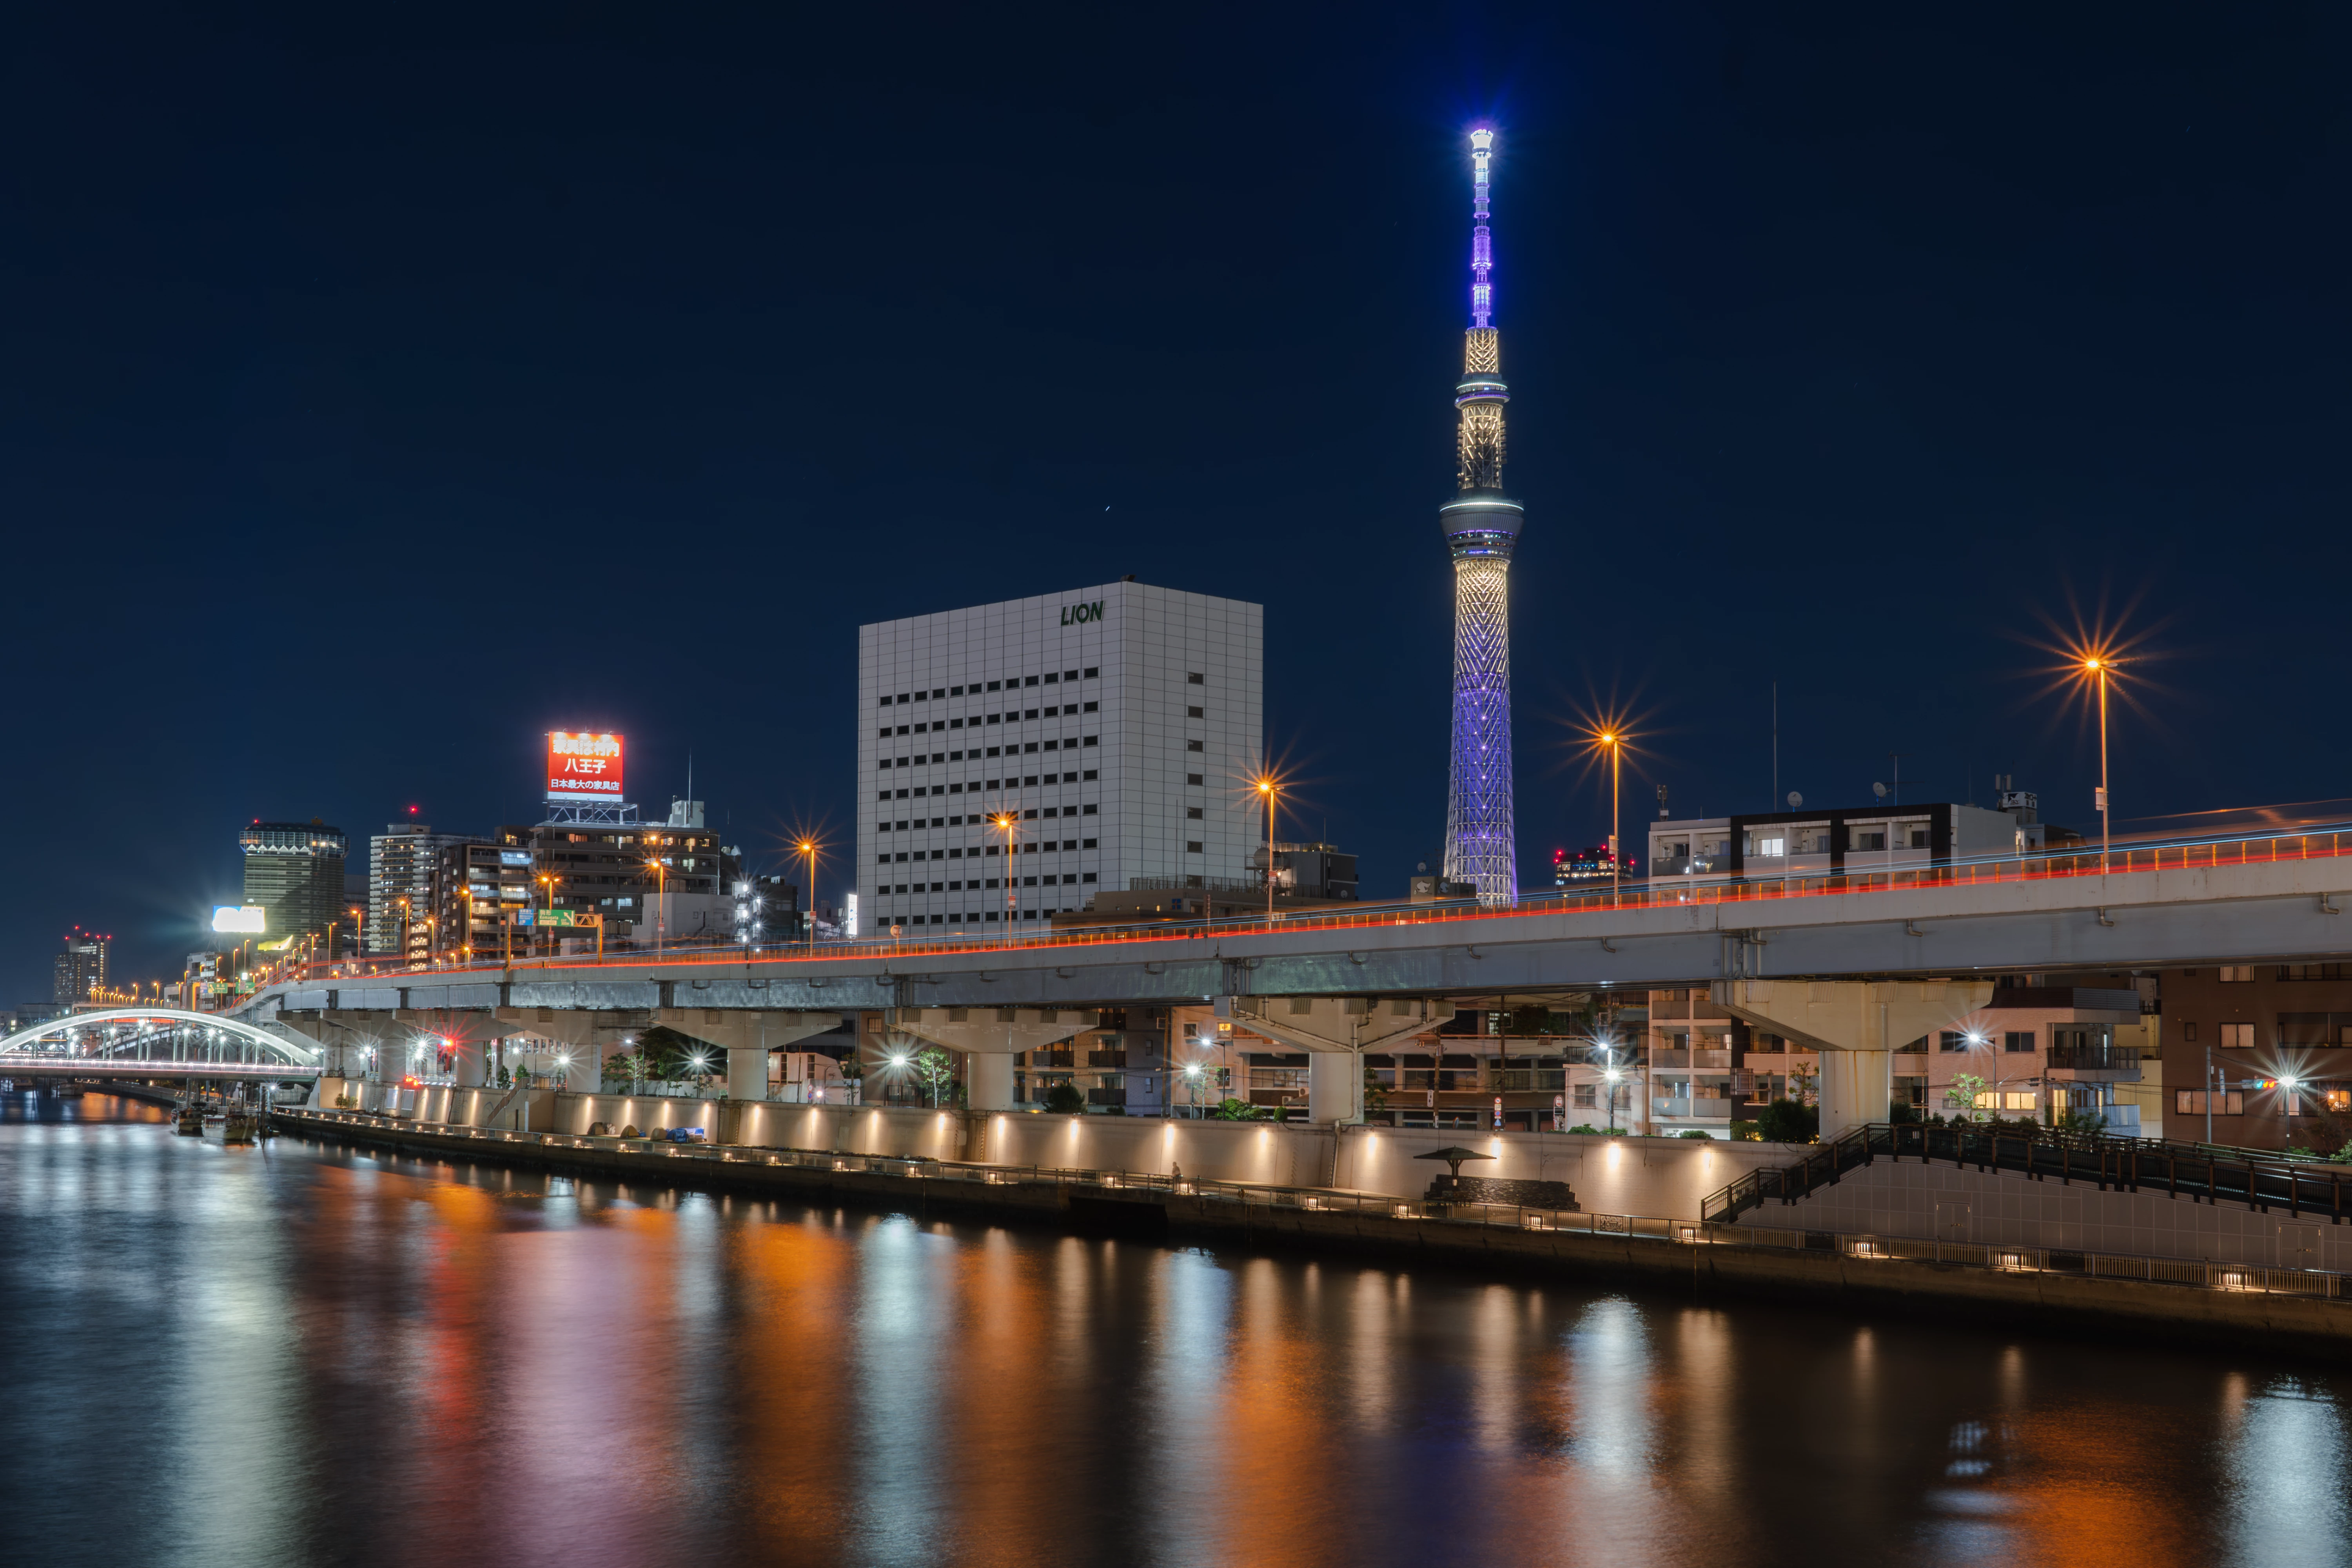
297	1355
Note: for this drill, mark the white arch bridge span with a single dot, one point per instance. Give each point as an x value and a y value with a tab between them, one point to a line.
156	1042
1851	967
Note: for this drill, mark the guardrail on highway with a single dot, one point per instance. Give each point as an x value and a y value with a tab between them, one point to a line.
2126	860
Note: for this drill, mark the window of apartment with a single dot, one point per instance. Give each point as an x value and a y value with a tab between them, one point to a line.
1193	746
1031	714
1951	1040
1087	776
1769	848
904	729
1918	838
1191	846
1089	876
1030	747
2191	1102
2311	971
1051	811
2017	1040
1028	781
1193	812
1087	742
1088	845
884	795
2337	1099
1581	1097
1092	706
1193	679
1086	810
1028	881
885	702
2189	1032
1093	671
994	751
2236	974
2237	1036
1866	841
1031	682
955	690
1192	779
1194	713
1051	677
996	685
885	734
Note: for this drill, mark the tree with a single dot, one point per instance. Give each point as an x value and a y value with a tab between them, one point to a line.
1235	1110
1965	1089
1376	1093
1063	1099
1787	1121
934	1069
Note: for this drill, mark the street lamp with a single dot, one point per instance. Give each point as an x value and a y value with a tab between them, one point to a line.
1270	788
2097	667
807	850
1010	822
661	899
1616	740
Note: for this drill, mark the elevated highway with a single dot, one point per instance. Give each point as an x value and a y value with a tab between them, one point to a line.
1345	979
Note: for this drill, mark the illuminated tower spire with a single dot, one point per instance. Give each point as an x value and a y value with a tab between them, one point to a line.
1482	528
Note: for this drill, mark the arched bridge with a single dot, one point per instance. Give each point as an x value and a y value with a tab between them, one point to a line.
154	1042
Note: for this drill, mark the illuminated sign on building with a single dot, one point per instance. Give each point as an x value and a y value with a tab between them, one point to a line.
583	766
239	918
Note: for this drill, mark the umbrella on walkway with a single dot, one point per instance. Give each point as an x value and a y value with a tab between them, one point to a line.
1454	1157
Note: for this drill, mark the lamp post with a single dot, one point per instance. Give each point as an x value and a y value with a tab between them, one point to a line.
403	933
2097	665
1615	741
661	899
1271	789
1010	824
547	879
358	933
807	847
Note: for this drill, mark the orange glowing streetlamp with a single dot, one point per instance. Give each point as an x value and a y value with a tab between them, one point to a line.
2097	665
661	897
1269	789
806	849
1614	740
1008	822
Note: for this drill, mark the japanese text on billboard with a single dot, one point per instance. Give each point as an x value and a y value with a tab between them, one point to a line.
583	766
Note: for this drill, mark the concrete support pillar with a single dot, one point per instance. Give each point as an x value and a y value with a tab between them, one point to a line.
1856	1089
747	1072
988	1080
1335	1088
469	1058
1855	1025
584	1074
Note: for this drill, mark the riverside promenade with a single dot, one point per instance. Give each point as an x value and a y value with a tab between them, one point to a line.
2304	1311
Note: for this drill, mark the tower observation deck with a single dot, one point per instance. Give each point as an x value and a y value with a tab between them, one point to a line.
1482	529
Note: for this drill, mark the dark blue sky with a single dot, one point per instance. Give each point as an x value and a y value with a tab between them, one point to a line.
377	397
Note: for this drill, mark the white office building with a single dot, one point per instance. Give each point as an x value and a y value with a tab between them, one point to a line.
1120	724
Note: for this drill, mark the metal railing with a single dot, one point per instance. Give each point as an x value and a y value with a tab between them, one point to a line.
2201	1171
657	1158
2125	860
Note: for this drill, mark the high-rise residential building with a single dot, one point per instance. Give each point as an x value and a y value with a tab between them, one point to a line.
1482	529
408	873
294	873
1118	729
80	969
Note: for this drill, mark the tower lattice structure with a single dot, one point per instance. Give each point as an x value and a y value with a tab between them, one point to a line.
1482	529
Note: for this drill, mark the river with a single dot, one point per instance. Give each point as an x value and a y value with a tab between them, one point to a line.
300	1354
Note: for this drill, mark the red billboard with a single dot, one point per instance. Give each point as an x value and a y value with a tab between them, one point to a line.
583	766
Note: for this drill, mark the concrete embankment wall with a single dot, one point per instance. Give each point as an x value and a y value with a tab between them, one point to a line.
2007	1209
1665	1177
2302	1324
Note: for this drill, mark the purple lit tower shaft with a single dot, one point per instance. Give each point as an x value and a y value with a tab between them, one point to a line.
1482	529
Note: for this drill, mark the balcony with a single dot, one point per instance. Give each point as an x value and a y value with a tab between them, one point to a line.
2094	1064
1702	1108
1104	1059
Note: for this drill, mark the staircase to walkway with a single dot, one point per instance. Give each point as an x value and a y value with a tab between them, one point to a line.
2200	1172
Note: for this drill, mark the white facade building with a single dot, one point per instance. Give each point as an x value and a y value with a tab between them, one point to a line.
1121	723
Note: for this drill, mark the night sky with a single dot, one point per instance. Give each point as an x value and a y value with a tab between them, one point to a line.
378	394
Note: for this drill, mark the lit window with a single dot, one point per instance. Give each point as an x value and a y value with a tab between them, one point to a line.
2237	975
2237	1036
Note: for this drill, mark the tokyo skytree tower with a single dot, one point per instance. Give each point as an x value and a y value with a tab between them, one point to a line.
1482	528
